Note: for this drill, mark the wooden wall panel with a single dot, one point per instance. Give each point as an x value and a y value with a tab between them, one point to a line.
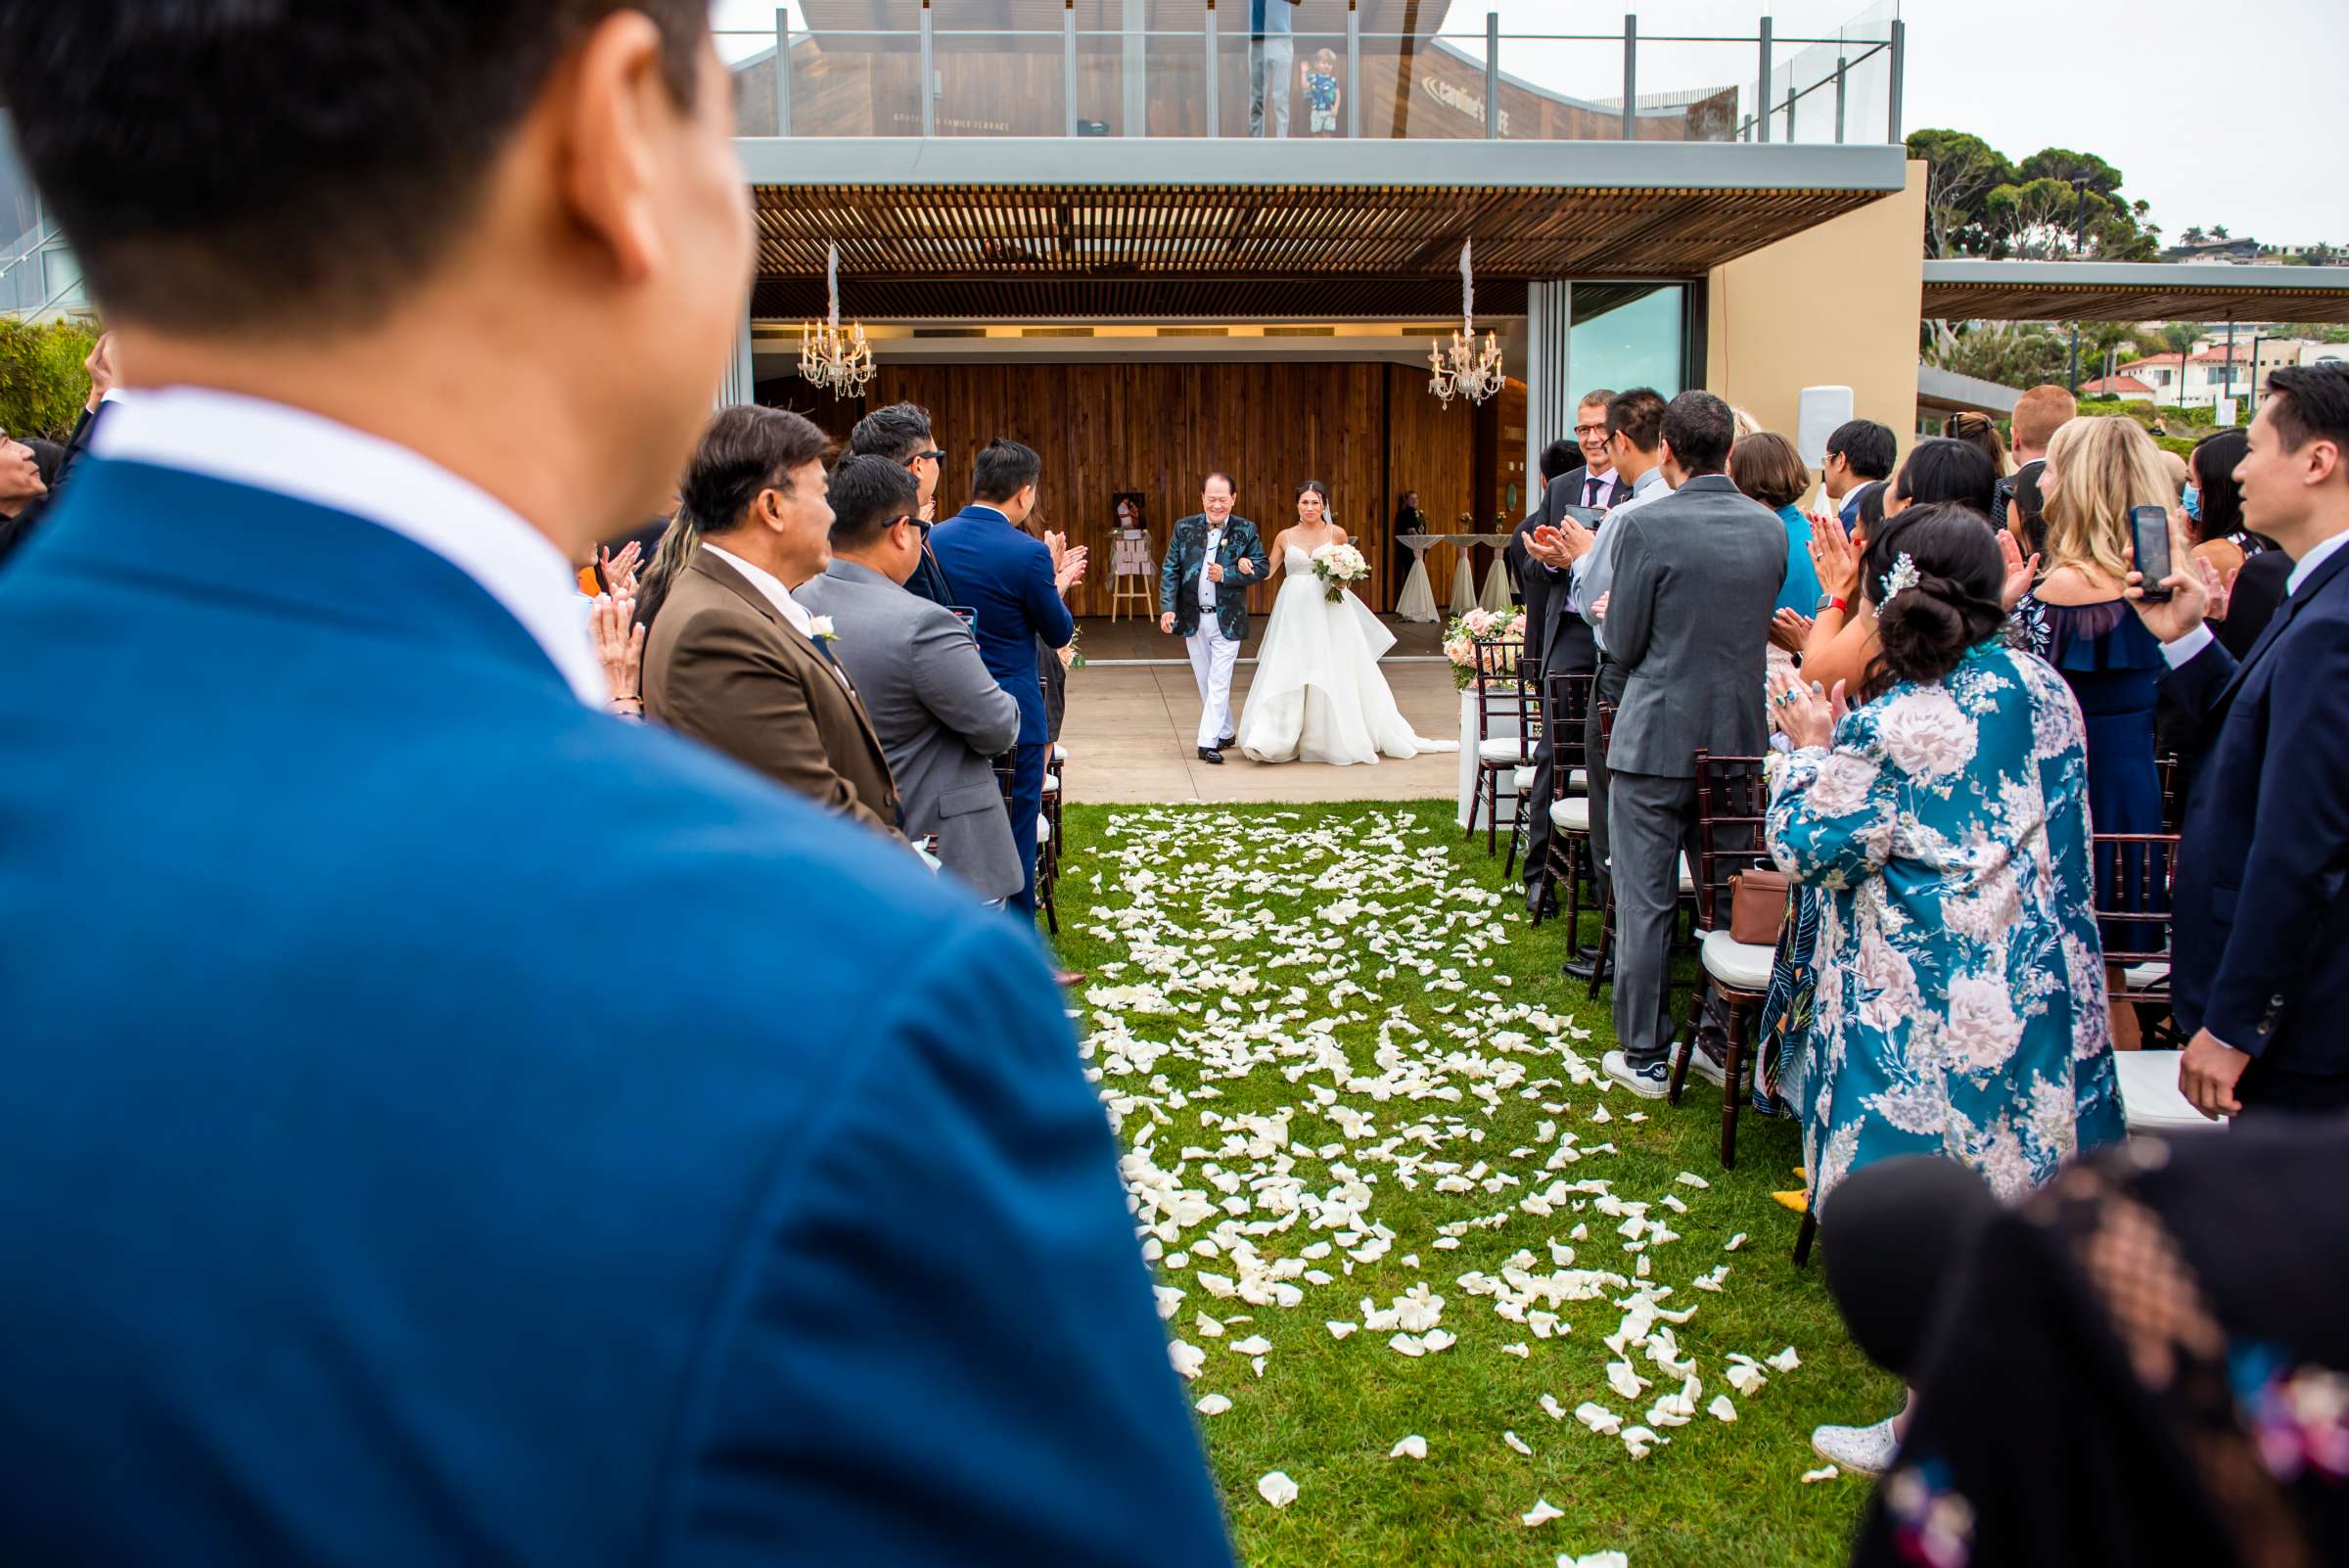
1159	428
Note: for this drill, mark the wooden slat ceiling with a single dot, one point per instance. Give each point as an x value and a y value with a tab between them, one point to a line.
1122	251
2256	299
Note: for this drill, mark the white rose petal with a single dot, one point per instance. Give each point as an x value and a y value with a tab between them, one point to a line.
1212	1404
1187	1358
1689	1178
1413	1447
1339	1330
1737	1242
1826	1472
1277	1489
1253	1344
1541	1513
1517	1443
1786	1360
1595	1560
1721	1410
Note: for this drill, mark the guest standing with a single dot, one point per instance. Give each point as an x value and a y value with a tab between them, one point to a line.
941	717
1766	467
1409	518
1557	642
1960	1005
2038	415
733	660
2260	949
398	1211
1016	585
1858	450
1688	619
901	432
2079	621
1271	62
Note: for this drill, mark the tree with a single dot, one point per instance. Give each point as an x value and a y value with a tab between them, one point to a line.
2048	220
41	379
1961	170
2192	236
2010	353
2218	231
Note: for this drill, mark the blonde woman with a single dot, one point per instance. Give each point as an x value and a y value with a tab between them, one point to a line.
2098	469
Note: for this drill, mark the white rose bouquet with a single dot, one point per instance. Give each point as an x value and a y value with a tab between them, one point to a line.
1338	565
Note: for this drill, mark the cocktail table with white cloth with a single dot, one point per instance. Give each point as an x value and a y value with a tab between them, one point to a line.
1417	600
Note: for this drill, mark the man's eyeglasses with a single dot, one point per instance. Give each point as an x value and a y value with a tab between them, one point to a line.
1585	432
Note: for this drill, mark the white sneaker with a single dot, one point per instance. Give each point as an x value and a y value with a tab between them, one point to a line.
1702	1063
1650	1083
1869	1450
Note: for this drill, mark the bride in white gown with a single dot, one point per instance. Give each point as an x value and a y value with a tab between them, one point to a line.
1317	695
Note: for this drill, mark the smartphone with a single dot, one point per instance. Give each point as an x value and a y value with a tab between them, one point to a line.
2150	534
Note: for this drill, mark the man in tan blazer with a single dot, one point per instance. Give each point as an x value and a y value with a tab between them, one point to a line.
732	660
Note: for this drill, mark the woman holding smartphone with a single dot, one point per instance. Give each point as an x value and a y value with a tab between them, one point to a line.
2098	469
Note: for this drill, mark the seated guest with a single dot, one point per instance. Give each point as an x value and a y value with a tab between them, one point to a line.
901	434
1960	1003
941	717
2141	1365
733	660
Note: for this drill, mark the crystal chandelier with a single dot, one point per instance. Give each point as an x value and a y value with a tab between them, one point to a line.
829	357
1464	370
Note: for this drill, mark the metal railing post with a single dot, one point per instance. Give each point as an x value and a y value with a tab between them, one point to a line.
1068	69
1214	115
1491	75
1631	78
1354	70
929	76
1762	98
1791	96
1900	53
1843	70
782	72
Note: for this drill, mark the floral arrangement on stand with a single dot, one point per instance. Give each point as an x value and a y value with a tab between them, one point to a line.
1480	625
1337	565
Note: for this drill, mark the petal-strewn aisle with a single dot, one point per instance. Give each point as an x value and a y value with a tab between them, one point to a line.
1415	1264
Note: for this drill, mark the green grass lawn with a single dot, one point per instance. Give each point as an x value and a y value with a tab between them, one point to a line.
1191	900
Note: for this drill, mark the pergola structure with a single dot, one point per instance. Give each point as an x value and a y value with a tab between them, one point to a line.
2130	290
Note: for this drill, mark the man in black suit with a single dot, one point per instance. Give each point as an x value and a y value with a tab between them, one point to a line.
2038	415
1557	640
2260	942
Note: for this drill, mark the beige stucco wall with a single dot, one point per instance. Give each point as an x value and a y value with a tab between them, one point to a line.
1834	305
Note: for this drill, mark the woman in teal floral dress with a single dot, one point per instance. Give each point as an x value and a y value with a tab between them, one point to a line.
1961	1005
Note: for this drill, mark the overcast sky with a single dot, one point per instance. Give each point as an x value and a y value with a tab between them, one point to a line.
2192	102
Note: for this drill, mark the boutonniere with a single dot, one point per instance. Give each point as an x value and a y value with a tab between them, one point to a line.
820	628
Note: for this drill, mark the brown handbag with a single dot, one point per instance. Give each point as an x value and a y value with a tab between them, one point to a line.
1758	903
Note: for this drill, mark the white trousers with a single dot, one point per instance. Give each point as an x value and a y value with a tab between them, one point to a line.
1212	657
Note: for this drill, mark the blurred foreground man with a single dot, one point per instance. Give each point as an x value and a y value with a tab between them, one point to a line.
362	1203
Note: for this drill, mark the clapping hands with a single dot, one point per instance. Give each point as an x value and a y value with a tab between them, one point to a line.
1560	547
1806	715
620	571
2020	572
1834	559
1790	629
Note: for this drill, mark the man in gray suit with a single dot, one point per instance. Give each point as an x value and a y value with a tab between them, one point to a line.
940	715
1696	575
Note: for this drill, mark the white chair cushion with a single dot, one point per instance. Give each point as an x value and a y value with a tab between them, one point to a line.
1577	779
1742	966
2140	976
1060	754
1687	879
1043	830
1501	749
2150	1097
1051	783
1571	815
1523	780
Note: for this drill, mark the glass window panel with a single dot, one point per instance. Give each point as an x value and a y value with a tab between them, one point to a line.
1628	335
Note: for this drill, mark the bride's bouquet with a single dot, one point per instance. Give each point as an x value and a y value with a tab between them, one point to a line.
1338	565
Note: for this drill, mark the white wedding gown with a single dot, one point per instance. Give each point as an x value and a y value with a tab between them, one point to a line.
1317	695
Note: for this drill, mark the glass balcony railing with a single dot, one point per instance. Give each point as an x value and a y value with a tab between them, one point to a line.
943	71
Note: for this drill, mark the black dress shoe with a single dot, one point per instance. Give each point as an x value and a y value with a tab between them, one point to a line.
1587	952
1544	907
1207	754
1225	741
1580	968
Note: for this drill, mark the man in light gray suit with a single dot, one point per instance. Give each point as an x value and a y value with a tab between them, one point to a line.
1696	576
941	717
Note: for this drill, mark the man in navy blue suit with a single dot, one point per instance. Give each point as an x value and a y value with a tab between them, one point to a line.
2259	959
368	1198
1018	587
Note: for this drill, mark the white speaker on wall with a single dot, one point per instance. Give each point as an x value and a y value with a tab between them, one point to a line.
1822	409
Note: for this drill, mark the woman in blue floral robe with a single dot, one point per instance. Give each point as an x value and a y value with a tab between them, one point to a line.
1961	1005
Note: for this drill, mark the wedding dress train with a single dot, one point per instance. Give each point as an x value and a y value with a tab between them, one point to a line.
1317	695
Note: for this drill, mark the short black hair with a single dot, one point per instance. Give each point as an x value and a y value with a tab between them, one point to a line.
226	163
746	449
1559	459
1700	429
2308	402
1637	416
1002	469
1869	515
870	491
895	433
1947	469
1868	446
46	455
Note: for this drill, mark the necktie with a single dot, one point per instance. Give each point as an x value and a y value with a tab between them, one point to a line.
1591	489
